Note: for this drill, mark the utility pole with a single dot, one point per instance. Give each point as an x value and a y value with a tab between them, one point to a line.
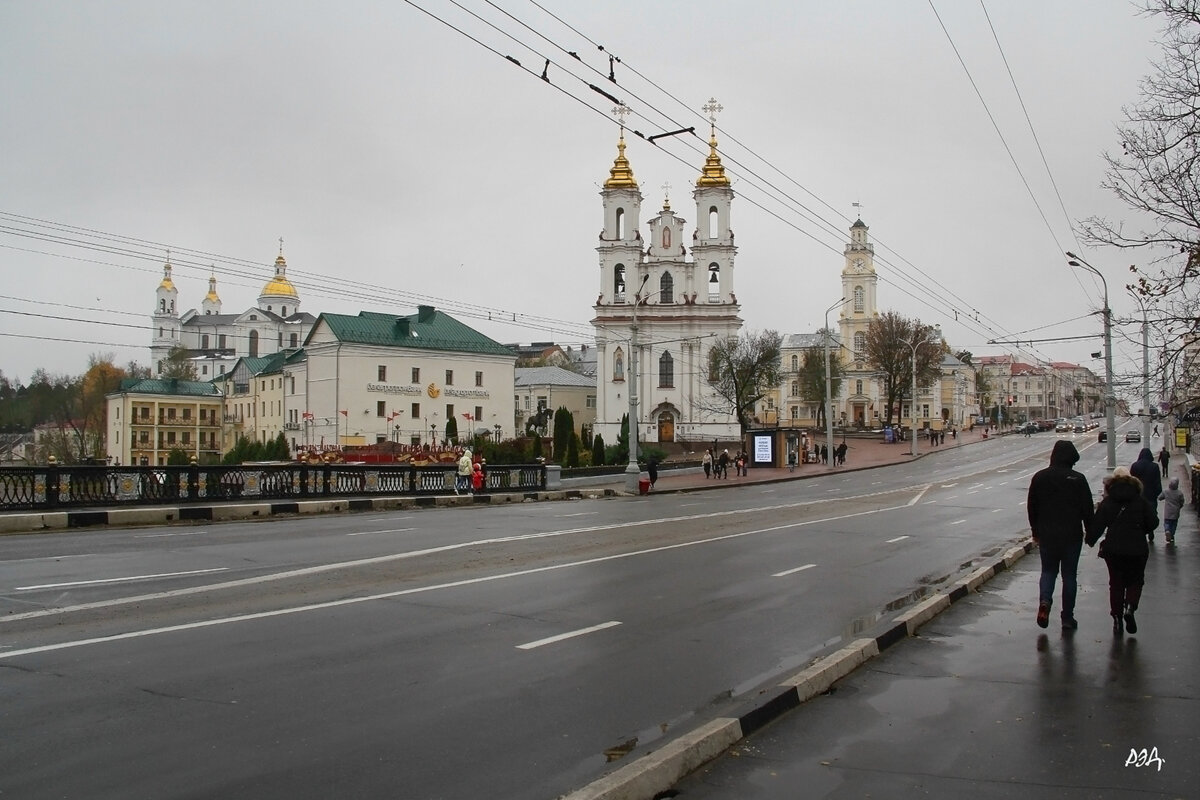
1110	399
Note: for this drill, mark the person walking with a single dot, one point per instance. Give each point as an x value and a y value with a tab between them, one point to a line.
1164	458
841	454
1126	521
723	463
476	478
652	471
1146	471
1173	504
1059	506
791	460
708	463
824	454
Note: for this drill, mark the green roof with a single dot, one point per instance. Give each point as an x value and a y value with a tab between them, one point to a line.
428	329
168	386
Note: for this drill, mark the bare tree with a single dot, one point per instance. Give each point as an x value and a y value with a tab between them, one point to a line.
889	348
812	379
742	370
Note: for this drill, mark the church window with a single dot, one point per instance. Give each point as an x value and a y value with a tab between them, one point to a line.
254	344
795	389
795	365
860	344
666	288
620	223
162	305
160	333
221	341
283	311
292	341
208	312
666	371
858	387
268	307
712	223
859	299
619	365
204	342
619	283
714	282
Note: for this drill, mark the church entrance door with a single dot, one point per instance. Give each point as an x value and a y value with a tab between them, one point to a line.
666	428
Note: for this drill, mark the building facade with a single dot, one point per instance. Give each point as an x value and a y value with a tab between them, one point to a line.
659	312
541	389
148	418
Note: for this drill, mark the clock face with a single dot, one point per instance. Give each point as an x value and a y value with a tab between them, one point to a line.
859	265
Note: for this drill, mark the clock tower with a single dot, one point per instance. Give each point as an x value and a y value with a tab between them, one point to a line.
859	396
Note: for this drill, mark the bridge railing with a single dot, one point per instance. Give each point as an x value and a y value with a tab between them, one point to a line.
57	486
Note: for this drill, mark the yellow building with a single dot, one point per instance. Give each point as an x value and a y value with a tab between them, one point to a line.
148	418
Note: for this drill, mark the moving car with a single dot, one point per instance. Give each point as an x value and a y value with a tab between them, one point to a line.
1062	426
1133	436
1103	436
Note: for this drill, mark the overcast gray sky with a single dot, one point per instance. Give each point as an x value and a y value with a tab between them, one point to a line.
402	162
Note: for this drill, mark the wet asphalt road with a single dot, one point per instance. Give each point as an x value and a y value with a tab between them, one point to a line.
416	655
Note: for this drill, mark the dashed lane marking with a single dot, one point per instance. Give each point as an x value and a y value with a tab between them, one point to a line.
119	580
897	539
569	635
389	530
787	572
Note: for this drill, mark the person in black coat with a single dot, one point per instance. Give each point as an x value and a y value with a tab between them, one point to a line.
1060	510
1126	521
1146	471
652	471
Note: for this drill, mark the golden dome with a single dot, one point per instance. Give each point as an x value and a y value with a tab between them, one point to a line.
713	173
212	291
621	174
167	283
279	286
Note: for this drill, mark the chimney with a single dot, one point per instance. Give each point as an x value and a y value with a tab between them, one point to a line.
402	326
425	313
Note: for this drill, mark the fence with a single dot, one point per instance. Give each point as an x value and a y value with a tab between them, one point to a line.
60	486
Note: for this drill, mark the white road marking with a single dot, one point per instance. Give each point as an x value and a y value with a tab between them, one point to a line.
787	572
949	485
687	505
165	535
389	530
958	522
973	491
569	635
765	491
119	580
580	514
997	510
45	558
897	539
916	499
388	595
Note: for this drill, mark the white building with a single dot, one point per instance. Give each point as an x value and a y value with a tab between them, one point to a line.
686	305
214	340
381	377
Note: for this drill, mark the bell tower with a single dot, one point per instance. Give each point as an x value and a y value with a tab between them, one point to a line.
165	322
860	391
620	247
712	243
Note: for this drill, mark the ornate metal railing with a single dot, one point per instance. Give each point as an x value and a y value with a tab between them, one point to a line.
64	487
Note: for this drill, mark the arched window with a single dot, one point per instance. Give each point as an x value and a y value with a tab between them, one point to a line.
795	365
620	223
254	344
858	387
619	283
666	371
162	305
714	282
860	345
666	288
859	301
283	311
713	218
795	390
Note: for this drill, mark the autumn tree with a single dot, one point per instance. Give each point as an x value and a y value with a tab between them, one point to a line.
179	365
812	379
741	370
889	348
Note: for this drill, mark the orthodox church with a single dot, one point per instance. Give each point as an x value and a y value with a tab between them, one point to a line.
659	311
215	341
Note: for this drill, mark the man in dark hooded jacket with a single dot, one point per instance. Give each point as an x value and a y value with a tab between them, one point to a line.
1146	471
1060	509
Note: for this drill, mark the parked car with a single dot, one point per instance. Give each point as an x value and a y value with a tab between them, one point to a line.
1133	436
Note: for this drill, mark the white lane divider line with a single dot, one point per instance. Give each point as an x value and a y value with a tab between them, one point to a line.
569	635
787	572
580	514
165	535
389	530
917	499
949	485
119	580
897	539
958	522
997	510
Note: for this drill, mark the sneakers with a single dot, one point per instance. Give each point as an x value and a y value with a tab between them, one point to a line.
1130	622
1118	628
1043	617
1069	623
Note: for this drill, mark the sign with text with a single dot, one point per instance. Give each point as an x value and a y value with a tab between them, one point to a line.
762	448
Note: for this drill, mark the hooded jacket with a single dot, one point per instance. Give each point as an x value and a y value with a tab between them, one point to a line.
1123	518
1060	501
1174	500
1146	471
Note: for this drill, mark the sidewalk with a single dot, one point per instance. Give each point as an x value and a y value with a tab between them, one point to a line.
967	697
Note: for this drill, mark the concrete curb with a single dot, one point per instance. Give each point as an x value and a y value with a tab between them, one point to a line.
658	771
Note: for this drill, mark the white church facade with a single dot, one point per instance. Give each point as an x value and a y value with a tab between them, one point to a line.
215	341
660	309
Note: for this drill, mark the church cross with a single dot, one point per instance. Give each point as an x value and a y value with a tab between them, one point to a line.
621	111
666	187
280	245
712	108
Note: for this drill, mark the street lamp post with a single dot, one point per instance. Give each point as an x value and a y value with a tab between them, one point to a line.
1110	399
829	384
632	471
912	406
1145	368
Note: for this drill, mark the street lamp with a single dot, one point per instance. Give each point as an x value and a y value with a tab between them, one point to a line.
1110	399
632	471
829	383
1145	367
912	406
